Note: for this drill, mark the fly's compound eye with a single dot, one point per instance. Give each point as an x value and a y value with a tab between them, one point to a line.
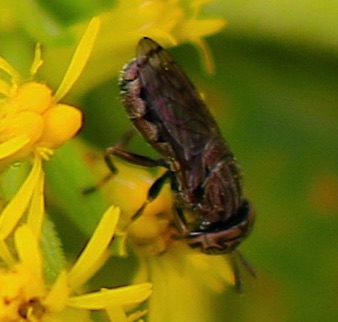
224	239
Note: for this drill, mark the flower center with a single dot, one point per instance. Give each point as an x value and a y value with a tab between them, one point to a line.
32	308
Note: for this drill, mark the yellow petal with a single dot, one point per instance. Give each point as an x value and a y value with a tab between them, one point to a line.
13	145
79	59
57	297
88	271
120	296
223	268
200	28
68	315
37	206
95	248
5	254
61	123
23	131
6	67
28	250
116	313
37	62
44	152
193	30
120	241
214	271
135	316
16	207
206	55
4	88
54	318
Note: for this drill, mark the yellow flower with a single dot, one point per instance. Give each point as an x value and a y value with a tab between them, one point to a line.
187	281
169	263
170	22
33	123
31	118
26	296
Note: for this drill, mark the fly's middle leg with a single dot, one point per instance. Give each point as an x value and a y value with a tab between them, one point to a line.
153	192
139	160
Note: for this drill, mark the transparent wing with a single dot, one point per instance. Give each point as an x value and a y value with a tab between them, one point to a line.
173	102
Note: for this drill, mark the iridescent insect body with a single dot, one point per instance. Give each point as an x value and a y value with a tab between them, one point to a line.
164	106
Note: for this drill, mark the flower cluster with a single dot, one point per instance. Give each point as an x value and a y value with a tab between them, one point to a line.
33	123
26	294
169	22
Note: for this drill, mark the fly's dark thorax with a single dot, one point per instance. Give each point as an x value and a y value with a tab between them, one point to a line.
143	115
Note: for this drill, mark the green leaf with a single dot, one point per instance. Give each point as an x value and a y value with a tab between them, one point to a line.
54	260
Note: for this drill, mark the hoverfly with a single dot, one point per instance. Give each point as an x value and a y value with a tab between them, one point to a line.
165	107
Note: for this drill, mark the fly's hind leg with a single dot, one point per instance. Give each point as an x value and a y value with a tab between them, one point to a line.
140	160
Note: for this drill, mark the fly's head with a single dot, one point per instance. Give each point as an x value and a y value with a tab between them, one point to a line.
224	237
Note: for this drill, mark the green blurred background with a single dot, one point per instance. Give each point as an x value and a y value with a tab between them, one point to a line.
275	95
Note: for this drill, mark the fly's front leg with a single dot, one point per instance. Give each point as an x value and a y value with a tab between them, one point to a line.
235	257
181	223
123	142
121	145
132	158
